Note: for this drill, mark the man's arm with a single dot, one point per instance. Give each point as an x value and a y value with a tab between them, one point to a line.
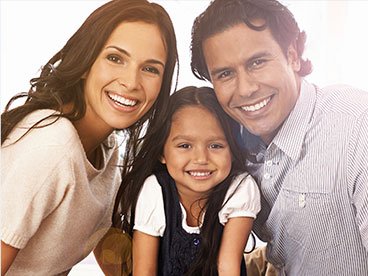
233	242
358	175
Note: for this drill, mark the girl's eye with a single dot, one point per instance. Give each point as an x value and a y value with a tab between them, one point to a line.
151	69
114	58
216	146
184	146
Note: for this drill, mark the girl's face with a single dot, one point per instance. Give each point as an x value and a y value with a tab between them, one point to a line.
125	79
196	152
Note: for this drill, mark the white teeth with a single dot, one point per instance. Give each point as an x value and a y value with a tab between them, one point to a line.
257	106
121	100
199	174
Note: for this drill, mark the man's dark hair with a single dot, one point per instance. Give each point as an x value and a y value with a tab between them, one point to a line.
223	14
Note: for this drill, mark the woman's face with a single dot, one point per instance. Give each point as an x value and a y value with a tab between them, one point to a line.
125	79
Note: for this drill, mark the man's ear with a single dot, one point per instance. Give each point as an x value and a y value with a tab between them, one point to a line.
293	57
162	159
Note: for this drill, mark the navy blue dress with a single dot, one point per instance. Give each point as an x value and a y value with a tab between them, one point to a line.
178	249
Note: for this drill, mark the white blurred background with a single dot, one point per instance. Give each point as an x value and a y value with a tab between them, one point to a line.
32	31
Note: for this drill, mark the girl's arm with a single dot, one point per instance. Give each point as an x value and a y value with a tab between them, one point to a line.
8	254
233	242
145	254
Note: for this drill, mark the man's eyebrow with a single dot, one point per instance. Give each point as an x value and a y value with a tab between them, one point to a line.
124	52
261	54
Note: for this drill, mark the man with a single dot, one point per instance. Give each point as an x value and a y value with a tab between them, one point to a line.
307	146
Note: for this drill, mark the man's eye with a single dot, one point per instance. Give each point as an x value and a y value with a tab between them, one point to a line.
224	74
257	63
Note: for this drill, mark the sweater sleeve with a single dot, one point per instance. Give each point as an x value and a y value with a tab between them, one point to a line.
150	212
242	199
34	177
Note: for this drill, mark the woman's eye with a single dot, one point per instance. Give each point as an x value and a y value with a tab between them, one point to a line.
114	58
152	70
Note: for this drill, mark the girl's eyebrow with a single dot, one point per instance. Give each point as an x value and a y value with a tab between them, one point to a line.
186	137
124	52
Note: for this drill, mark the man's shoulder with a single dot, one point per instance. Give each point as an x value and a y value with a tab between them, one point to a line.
342	100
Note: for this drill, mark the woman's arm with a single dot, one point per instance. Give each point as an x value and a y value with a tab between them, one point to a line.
8	254
145	254
233	242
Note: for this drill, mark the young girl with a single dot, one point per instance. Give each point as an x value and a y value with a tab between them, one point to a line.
198	185
59	154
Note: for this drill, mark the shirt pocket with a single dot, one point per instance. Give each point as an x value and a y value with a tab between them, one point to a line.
309	219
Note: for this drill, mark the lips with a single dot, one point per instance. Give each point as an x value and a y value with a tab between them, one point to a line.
256	106
120	100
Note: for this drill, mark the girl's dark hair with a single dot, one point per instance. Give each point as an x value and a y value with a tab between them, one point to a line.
223	14
60	80
148	162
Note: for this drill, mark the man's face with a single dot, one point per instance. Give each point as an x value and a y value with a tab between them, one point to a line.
254	82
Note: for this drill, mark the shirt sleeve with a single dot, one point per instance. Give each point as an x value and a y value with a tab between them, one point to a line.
33	184
358	174
150	212
242	199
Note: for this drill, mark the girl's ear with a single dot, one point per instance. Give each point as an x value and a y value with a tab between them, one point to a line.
162	159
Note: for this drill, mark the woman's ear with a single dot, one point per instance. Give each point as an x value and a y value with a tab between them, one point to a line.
85	75
162	159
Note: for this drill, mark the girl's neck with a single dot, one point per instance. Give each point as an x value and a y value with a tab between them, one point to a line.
194	210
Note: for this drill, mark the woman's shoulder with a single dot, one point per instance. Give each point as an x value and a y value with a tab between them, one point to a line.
51	129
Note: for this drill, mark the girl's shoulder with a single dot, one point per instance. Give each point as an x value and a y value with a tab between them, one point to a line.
243	179
243	189
151	187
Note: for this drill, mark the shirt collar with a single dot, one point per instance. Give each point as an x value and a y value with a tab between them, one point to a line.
291	136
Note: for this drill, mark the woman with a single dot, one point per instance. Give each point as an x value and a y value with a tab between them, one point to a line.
59	151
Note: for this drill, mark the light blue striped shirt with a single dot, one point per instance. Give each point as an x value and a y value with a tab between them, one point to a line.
313	178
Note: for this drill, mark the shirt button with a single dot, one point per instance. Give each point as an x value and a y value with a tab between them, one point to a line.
269	163
196	241
302	200
267	176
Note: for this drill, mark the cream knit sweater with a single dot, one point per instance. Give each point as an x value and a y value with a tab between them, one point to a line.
55	205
